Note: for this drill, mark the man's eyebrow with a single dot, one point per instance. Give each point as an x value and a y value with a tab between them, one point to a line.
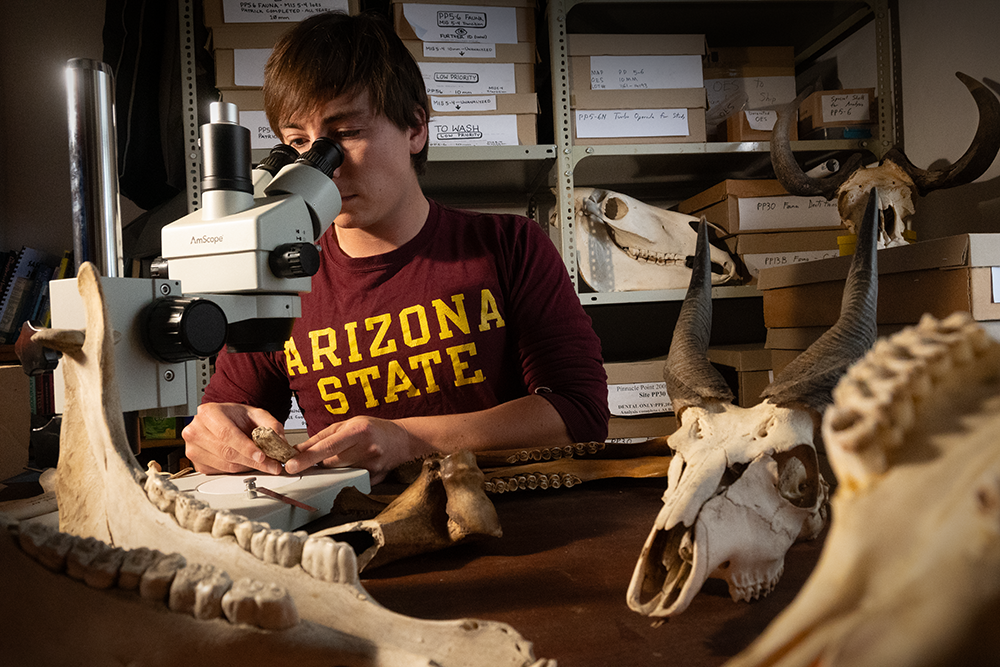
329	120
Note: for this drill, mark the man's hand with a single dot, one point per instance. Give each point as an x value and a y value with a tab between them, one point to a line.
218	439
378	445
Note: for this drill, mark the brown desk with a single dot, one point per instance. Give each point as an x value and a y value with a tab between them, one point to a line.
559	576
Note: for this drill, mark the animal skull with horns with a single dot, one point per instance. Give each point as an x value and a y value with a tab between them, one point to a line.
744	483
896	178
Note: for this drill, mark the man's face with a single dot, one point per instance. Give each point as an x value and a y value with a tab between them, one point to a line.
377	174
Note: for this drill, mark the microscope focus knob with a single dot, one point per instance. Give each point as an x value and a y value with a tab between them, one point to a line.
294	260
184	328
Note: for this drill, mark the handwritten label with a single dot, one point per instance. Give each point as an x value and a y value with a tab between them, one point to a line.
499	130
462	24
261	135
787	212
467	104
242	11
594	124
248	66
458	51
645	72
468	78
762	92
762	120
845	108
640	398
756	262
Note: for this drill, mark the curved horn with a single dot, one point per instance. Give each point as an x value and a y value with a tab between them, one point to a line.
811	377
787	169
691	379
980	154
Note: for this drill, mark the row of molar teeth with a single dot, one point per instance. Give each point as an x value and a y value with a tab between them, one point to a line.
202	591
274	546
746	591
653	257
879	398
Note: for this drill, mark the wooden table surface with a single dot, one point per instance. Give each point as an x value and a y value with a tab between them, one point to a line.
559	576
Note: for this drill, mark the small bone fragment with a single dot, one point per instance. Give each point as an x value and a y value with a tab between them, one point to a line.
272	444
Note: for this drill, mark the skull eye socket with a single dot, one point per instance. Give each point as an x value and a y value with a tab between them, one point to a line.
798	475
615	208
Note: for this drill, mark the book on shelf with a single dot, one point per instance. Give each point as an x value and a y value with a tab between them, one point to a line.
43	312
32	268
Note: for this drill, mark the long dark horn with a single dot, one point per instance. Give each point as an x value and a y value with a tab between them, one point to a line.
980	154
787	169
810	378
691	379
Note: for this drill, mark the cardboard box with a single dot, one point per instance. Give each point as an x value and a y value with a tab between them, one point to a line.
632	429
522	52
751	365
15	420
483	130
939	277
750	78
753	125
635	62
764	250
248	35
237	69
751	206
226	12
837	108
484	22
637	388
477	78
604	117
458	105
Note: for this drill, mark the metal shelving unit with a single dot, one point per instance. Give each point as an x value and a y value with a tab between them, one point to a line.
682	169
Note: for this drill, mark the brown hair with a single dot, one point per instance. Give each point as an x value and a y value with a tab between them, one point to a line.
333	54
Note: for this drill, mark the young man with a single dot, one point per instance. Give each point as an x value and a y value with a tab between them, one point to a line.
428	329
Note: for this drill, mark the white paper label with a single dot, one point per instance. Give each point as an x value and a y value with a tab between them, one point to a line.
296	421
468	78
591	124
645	72
995	275
468	104
786	212
260	131
755	262
458	23
845	107
762	92
445	50
762	120
640	398
500	130
248	66
242	11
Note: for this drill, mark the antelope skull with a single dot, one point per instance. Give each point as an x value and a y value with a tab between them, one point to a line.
744	483
897	179
626	244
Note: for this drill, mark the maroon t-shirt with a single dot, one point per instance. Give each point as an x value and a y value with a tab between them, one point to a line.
475	310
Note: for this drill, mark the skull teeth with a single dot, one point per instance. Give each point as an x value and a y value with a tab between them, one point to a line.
329	560
878	400
199	590
661	258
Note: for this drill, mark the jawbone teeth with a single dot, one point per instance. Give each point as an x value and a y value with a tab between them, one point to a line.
192	514
266	606
328	560
278	546
225	523
161	492
244	532
199	590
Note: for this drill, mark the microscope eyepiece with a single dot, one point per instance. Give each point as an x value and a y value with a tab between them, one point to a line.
280	155
325	154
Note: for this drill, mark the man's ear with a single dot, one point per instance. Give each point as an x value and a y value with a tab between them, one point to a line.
419	134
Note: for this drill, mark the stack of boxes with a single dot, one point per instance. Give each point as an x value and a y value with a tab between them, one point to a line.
838	114
765	226
243	34
478	60
637	89
745	86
